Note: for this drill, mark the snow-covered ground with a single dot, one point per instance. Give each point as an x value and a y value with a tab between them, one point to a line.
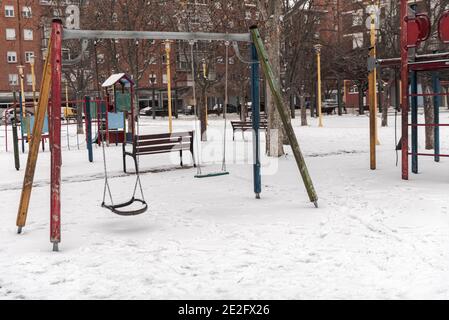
373	236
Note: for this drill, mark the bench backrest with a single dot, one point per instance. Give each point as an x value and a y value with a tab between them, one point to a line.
163	142
248	124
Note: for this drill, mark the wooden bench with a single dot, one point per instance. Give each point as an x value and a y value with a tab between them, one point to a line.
160	143
328	110
246	126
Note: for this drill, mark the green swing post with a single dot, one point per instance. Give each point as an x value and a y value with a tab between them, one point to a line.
274	86
15	135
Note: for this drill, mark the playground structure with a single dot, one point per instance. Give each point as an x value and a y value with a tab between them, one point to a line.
415	29
52	83
18	129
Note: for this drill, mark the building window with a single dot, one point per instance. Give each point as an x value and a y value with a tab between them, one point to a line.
10	34
12	57
29	55
100	58
357	40
26	12
152	77
13	79
27	34
357	18
29	79
164	79
9	11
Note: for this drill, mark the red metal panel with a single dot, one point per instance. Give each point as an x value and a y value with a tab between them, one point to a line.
404	84
418	30
430	155
424	26
429	65
413	33
443	27
55	189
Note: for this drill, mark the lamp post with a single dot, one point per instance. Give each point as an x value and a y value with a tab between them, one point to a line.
318	59
205	96
175	80
23	100
170	121
153	105
33	82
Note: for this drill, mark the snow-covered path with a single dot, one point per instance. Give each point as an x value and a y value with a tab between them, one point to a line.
374	235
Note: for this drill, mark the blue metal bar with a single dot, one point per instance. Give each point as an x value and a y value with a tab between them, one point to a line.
436	112
255	94
414	107
89	130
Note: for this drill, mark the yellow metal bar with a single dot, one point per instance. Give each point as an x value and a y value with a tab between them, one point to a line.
33	80
205	96
374	54
66	100
372	99
34	144
318	58
170	116
22	90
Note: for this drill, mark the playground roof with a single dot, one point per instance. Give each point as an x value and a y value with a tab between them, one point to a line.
121	78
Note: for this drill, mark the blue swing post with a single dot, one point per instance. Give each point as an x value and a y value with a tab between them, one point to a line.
255	93
414	105
89	130
436	112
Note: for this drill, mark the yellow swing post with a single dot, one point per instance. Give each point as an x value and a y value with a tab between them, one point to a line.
373	98
34	143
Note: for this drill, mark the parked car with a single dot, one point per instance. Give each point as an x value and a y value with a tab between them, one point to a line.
8	116
329	106
68	113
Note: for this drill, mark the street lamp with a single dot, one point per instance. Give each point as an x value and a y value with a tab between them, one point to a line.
317	48
153	105
23	100
175	79
33	81
167	52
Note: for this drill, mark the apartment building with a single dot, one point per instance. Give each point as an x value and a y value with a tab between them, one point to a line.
25	25
20	44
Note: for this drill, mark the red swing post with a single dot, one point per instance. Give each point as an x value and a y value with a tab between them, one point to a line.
55	134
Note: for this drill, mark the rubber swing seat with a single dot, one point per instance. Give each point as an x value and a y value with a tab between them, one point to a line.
210	175
127	213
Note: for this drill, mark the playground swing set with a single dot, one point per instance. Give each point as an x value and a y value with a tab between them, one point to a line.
51	83
416	29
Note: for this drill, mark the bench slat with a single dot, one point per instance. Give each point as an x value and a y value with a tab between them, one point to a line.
167	147
164	135
162	141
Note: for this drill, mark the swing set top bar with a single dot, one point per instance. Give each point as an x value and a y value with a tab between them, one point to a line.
152	35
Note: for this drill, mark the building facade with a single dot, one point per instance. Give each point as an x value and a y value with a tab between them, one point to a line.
20	45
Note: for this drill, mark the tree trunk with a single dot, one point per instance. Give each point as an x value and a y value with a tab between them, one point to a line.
386	102
79	116
292	106
429	119
203	114
302	102
275	137
386	99
361	106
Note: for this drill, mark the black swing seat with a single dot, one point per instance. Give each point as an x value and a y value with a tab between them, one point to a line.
127	213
